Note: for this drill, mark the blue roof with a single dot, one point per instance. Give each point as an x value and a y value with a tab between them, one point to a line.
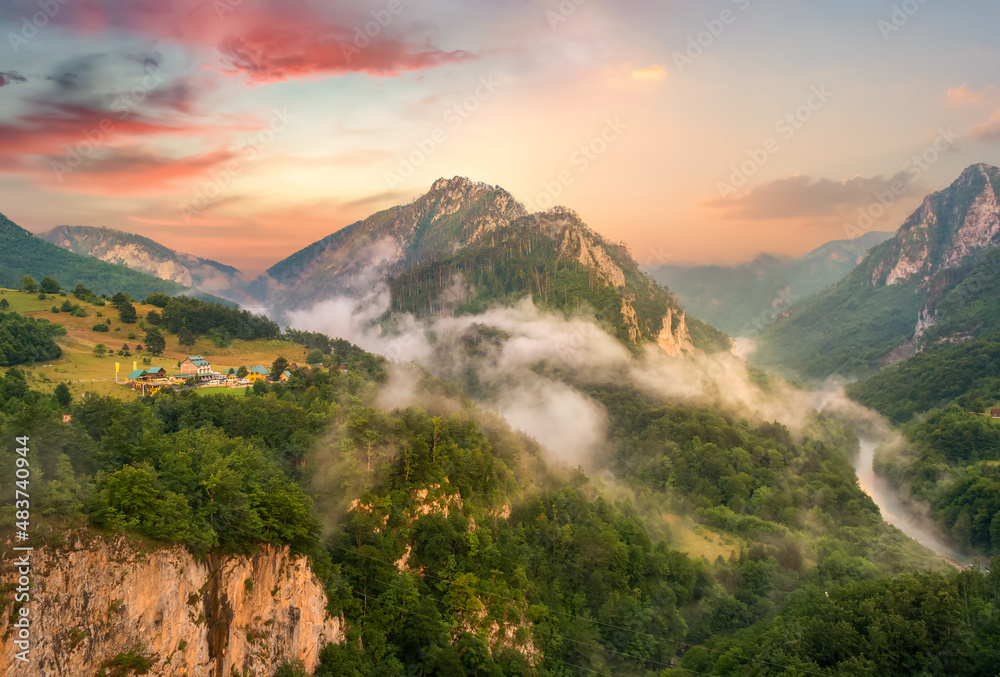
136	374
287	373
156	370
260	370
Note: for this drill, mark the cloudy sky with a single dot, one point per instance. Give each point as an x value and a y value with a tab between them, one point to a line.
243	130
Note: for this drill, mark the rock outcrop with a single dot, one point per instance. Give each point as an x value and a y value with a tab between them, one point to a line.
100	599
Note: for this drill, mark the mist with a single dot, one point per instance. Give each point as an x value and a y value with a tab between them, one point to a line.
533	366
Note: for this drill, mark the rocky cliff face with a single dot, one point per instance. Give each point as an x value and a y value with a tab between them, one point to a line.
935	246
96	600
950	226
146	256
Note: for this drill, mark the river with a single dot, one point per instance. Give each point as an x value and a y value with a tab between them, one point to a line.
895	512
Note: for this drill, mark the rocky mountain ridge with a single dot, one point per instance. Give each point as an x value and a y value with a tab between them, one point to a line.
147	256
935	281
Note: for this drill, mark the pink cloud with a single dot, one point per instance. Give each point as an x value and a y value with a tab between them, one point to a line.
269	42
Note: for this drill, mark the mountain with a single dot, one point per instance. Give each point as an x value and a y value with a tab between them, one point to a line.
21	253
146	256
453	214
744	299
934	281
465	246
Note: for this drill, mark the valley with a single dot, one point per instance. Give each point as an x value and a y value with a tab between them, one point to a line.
518	455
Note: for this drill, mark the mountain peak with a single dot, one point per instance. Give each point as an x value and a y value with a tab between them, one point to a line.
979	168
460	183
949	226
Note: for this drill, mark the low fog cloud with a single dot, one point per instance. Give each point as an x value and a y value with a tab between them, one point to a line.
533	366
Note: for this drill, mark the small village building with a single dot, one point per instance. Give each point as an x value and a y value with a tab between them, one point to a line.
196	364
258	373
995	413
136	375
285	375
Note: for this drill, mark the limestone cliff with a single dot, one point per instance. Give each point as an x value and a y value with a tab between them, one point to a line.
98	599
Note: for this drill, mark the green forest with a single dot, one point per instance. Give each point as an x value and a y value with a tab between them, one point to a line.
942	398
26	339
450	546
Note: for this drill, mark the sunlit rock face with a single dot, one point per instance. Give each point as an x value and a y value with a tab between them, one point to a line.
98	599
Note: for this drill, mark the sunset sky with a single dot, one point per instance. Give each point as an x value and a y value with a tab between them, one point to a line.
243	130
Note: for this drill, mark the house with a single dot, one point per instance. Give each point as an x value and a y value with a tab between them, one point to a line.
135	375
157	372
258	373
196	364
285	375
995	413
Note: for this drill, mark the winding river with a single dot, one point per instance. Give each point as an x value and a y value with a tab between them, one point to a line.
895	512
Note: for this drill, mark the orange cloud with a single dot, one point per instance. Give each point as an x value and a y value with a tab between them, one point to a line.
652	73
989	130
964	95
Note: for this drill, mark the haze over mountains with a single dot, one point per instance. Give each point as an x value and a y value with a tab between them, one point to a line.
935	281
743	300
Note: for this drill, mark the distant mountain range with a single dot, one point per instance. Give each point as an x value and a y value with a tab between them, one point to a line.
459	248
743	300
146	256
22	253
937	280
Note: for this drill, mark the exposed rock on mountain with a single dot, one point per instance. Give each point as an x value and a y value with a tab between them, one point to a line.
936	280
242	615
146	256
453	214
465	246
22	253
